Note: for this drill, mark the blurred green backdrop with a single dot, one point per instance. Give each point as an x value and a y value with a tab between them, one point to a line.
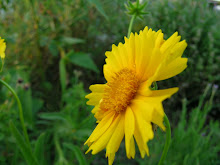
55	50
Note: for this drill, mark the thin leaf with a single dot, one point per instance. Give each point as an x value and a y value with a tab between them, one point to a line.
26	101
25	150
78	153
62	70
99	7
53	116
39	149
72	41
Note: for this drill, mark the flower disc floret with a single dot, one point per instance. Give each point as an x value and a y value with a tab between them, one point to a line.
120	91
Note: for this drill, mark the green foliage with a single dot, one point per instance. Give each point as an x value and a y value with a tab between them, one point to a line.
79	155
39	149
83	60
55	50
99	7
23	146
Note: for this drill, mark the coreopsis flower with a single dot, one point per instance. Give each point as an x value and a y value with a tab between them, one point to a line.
2	48
126	106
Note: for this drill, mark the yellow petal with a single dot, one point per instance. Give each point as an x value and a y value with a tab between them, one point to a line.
176	51
2	48
172	69
97	88
117	136
144	48
163	93
108	72
120	57
154	64
96	95
156	95
101	143
94	98
141	108
111	158
95	109
142	121
158	119
141	144
155	98
121	54
170	42
129	131
132	148
113	60
101	127
144	87
159	39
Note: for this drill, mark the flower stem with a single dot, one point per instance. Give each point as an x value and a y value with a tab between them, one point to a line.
21	116
168	139
131	25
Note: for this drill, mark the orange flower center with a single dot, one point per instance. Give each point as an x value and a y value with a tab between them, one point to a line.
120	91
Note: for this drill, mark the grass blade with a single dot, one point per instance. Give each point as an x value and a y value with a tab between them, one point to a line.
25	150
78	153
39	149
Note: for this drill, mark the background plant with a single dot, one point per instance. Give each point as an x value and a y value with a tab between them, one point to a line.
48	45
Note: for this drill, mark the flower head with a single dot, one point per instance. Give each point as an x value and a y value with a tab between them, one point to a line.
126	105
2	48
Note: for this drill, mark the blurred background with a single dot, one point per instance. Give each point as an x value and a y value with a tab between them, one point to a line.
55	51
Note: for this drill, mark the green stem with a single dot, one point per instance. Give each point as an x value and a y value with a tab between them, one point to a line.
168	139
21	116
131	25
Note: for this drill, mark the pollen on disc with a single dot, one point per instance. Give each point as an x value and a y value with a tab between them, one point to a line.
120	91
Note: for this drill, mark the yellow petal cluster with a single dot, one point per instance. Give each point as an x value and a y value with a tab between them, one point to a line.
125	107
2	48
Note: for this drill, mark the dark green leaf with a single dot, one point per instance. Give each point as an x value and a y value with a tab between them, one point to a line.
83	60
62	70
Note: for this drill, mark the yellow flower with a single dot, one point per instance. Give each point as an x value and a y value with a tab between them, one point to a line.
126	106
2	48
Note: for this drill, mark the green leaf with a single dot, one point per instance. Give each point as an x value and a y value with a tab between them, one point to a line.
39	149
26	101
62	70
37	104
53	116
53	48
83	60
25	150
99	7
72	41
78	153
